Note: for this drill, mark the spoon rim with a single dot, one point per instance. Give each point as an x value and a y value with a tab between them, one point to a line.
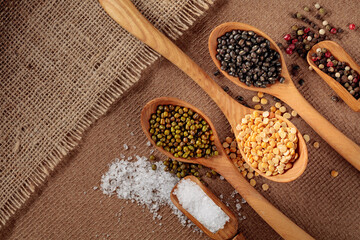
299	165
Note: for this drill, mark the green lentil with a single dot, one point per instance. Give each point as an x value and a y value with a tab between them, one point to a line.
182	132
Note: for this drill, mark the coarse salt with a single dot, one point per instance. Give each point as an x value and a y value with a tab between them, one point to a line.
136	181
194	200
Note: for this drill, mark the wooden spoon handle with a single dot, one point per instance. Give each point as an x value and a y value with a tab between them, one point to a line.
126	14
336	139
276	219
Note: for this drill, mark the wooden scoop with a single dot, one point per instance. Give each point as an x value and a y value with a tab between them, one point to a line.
341	55
223	165
289	94
230	228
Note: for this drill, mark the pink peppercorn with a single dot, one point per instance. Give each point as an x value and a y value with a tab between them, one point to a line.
355	80
287	37
294	41
330	64
289	51
352	26
333	30
327	54
314	59
306	30
292	46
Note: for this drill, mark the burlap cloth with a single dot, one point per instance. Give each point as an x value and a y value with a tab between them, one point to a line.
67	207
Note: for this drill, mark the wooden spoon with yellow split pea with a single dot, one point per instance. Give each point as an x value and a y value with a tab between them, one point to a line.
290	95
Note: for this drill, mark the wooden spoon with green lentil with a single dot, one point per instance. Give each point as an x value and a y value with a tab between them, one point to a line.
285	90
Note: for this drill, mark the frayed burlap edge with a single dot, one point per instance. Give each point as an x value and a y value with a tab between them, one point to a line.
174	29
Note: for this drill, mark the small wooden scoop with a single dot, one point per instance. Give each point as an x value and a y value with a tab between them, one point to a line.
289	94
341	55
230	228
223	165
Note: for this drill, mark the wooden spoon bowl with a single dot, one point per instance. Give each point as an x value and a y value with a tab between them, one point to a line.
341	55
217	161
230	228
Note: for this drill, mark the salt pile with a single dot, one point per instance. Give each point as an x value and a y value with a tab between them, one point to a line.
194	200
136	181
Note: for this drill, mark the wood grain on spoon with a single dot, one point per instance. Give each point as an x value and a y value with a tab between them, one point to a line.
223	165
230	228
290	95
341	55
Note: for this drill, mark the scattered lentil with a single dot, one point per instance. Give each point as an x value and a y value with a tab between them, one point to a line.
265	187
257	107
256	99
264	101
316	145
306	138
334	173
294	113
252	182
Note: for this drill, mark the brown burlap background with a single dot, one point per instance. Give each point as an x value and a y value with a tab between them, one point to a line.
67	207
62	64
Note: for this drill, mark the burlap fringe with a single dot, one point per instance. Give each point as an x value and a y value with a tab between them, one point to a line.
173	29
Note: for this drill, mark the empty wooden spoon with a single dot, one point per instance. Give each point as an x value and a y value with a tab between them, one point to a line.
289	94
223	165
230	228
341	55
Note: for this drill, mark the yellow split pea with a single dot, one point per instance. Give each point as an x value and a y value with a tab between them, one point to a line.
268	143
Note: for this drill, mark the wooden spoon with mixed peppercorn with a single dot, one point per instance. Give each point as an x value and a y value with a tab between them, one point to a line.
284	89
350	97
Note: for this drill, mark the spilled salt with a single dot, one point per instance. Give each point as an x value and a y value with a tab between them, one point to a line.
136	182
194	200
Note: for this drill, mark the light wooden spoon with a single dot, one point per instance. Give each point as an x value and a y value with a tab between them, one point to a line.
230	228
127	16
289	94
223	165
341	55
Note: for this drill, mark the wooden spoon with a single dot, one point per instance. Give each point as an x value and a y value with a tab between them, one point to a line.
289	94
341	55
230	228
223	165
127	15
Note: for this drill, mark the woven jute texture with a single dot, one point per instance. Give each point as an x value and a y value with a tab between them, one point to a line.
62	64
67	206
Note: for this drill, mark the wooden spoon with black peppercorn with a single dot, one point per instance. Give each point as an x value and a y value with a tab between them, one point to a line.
287	92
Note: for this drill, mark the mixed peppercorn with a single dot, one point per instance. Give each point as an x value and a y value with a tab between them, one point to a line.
338	70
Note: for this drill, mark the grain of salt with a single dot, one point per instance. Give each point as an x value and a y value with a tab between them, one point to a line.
194	200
